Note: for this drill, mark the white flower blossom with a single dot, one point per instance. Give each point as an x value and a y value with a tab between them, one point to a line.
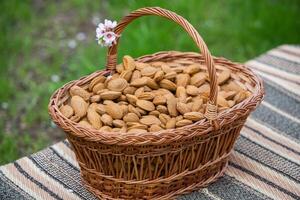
104	33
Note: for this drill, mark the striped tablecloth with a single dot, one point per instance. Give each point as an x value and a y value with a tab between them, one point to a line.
265	163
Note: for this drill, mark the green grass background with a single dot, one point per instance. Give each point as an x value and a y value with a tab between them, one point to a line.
36	54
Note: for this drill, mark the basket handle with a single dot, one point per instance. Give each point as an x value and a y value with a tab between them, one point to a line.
211	108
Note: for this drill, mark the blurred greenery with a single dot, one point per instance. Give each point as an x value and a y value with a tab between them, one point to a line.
44	44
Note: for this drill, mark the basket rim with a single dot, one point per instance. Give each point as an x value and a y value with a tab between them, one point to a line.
154	138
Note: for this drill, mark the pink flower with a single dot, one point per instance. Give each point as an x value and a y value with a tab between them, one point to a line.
104	33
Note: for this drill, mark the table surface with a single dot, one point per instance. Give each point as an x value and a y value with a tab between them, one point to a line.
265	163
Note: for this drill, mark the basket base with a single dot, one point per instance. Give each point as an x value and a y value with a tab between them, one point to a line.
189	183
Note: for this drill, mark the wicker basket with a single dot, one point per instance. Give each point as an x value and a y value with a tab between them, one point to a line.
120	166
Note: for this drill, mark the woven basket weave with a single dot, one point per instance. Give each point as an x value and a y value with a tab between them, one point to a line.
160	165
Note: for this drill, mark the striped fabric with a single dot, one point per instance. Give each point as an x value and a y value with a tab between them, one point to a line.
265	163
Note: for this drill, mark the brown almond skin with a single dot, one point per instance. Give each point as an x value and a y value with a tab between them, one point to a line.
94	119
155	128
79	106
98	87
145	105
149	120
164	118
159	100
171	105
126	74
78	91
107	119
118	123
162	109
66	110
131	99
181	94
183	122
182	80
167	84
192	69
194	116
171	123
224	76
159	75
129	63
136	130
131	117
118	84
135	75
114	110
98	79
85	124
110	95
192	90
182	108
198	79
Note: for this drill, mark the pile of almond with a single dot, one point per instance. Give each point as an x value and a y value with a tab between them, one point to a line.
149	97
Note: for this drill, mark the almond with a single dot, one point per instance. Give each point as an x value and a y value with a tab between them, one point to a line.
182	80
231	86
240	96
170	75
192	69
146	96
222	101
95	98
129	63
126	74
105	129
231	103
171	123
100	109
149	120
204	89
159	75
79	106
197	105
194	116
136	125
66	110
155	128
114	110
78	91
164	118
162	109
131	117
119	68
148	71
159	100
110	95
134	110
146	105
155	113
140	65
118	84
198	79
171	104
135	75
98	87
95	81
129	90
152	84
94	118
182	108
106	119
183	122
85	124
140	82
75	118
167	84
223	76
192	90
131	99
181	94
166	68
118	123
